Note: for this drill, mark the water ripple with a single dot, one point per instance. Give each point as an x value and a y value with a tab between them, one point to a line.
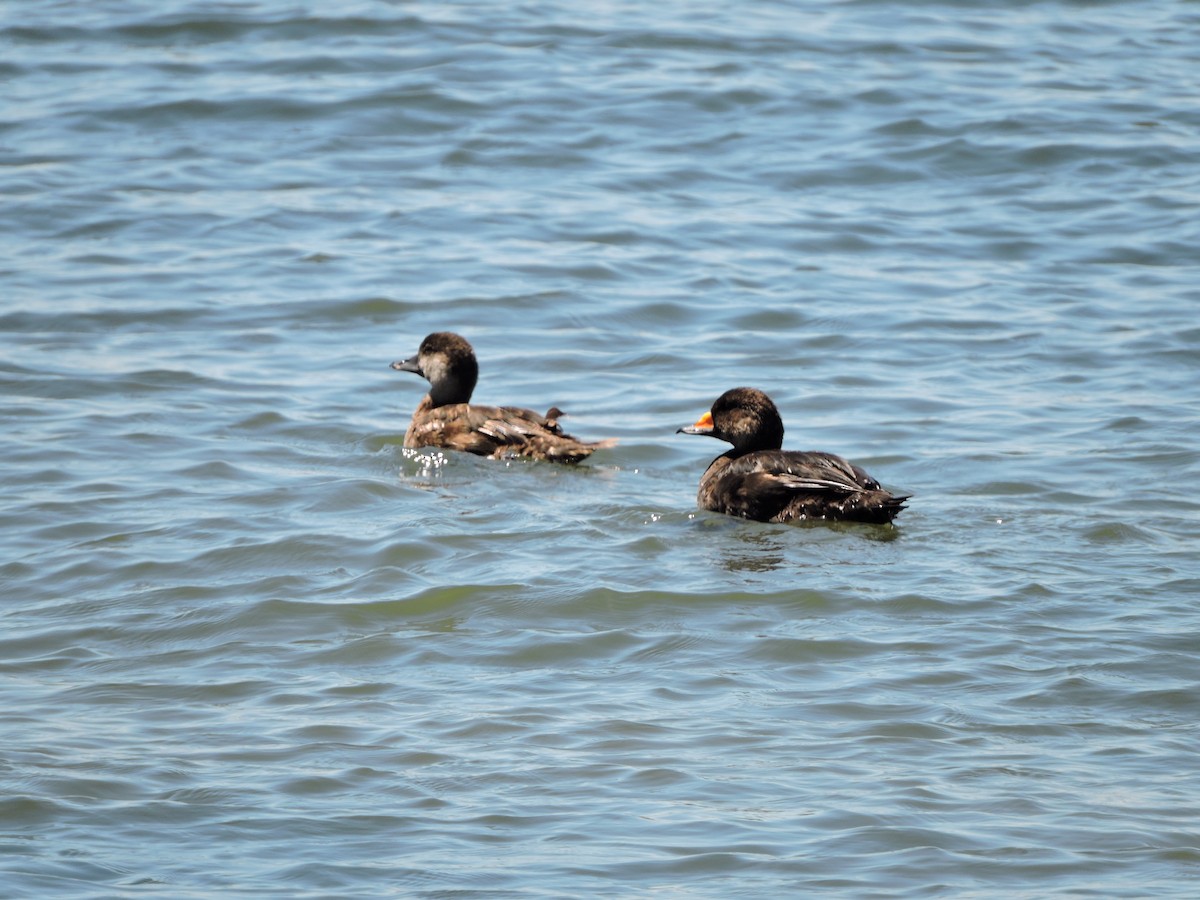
954	245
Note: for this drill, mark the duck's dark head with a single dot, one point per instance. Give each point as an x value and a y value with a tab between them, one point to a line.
745	417
448	363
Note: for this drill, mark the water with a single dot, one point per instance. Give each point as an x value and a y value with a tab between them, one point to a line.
251	647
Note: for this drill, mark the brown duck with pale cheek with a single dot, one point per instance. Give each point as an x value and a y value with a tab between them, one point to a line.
446	418
758	480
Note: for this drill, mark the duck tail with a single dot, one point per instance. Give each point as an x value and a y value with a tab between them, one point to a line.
891	506
566	449
877	507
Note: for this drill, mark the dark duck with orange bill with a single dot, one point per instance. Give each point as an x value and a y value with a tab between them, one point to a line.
758	480
446	418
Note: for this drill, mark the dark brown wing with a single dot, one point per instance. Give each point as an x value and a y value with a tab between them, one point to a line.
821	472
785	485
751	495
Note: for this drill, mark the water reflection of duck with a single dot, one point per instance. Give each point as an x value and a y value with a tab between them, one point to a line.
446	418
758	480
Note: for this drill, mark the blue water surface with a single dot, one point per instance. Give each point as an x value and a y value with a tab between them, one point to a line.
252	646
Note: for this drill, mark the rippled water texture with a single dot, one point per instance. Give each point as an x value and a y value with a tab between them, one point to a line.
252	647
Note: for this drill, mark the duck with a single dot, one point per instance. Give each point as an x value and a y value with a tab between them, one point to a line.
446	418
759	480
